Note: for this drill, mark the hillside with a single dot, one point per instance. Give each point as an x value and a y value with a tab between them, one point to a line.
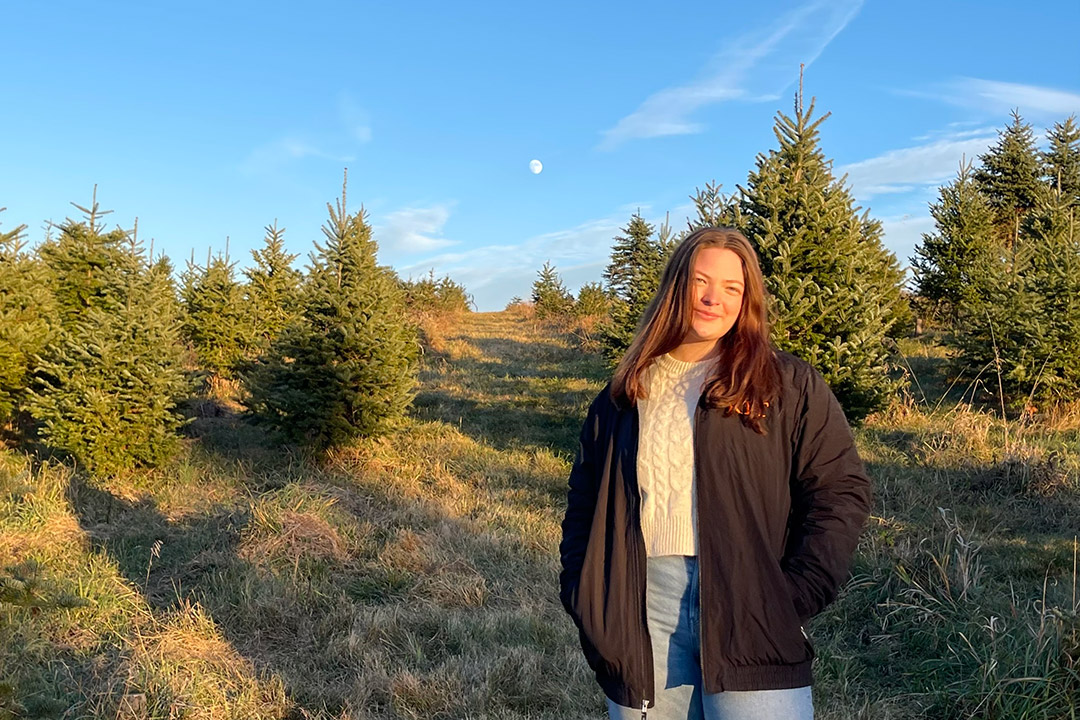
415	576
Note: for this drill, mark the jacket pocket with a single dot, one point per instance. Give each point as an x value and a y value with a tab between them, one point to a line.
785	626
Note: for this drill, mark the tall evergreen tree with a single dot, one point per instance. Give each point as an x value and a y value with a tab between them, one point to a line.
347	366
26	318
1061	161
273	288
551	299
105	388
835	289
1010	177
216	320
948	261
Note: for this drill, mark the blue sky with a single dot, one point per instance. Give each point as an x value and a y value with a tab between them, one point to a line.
211	120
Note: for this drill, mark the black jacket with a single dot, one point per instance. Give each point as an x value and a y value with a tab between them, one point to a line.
779	516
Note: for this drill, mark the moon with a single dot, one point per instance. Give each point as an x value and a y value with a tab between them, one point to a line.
535	166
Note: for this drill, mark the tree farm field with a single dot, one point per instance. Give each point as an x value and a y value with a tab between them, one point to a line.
416	575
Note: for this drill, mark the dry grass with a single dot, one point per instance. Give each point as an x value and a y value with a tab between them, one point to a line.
414	576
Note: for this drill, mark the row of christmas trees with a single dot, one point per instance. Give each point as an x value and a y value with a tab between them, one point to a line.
98	345
1002	267
1000	273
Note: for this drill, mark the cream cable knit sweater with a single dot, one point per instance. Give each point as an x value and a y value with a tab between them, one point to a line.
665	460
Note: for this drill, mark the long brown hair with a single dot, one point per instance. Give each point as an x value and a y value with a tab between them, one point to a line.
745	378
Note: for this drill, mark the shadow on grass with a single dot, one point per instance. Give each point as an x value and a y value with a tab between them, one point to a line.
286	572
506	427
519	395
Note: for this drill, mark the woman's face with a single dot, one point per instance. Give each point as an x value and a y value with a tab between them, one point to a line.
716	292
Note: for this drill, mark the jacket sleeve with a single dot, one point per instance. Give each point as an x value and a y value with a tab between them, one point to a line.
830	500
580	507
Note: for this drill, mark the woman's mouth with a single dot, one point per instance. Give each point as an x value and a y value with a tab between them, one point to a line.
707	316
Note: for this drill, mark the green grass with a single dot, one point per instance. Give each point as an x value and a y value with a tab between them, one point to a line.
415	576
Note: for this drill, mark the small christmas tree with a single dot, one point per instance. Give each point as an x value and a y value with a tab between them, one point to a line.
273	288
347	367
592	301
550	297
216	320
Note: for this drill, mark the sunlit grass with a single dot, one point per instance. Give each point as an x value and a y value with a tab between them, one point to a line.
415	575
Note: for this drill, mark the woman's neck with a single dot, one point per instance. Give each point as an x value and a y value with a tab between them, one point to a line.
695	351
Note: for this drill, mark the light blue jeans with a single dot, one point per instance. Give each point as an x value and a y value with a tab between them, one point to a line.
674	625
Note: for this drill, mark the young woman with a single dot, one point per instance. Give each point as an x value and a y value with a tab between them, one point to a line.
714	504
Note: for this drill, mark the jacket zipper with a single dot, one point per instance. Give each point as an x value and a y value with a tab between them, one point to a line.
701	606
644	580
648	638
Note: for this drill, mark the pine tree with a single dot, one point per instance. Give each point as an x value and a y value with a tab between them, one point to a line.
1053	346
835	289
26	318
1061	161
216	320
273	288
714	209
85	264
947	262
1010	178
347	366
105	389
550	297
633	277
592	301
1023	317
432	299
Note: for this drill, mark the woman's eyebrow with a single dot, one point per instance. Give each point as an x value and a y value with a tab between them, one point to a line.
707	276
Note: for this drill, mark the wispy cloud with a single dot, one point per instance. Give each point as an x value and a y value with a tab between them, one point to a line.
756	66
1001	97
283	150
953	131
914	168
351	128
355	120
496	273
413	230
